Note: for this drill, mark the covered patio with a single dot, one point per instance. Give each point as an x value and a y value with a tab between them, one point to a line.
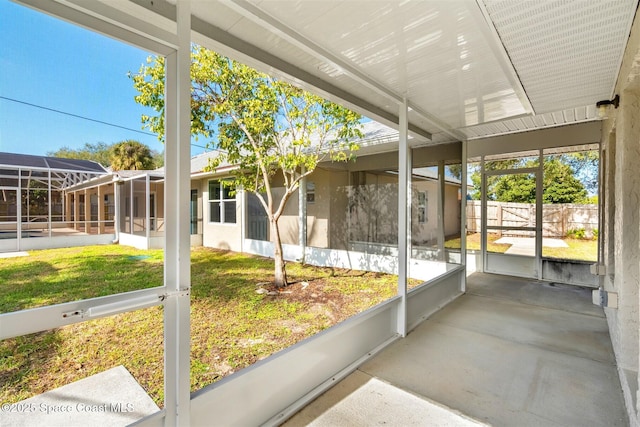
511	351
39	209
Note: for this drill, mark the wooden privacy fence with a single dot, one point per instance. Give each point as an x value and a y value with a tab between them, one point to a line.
557	219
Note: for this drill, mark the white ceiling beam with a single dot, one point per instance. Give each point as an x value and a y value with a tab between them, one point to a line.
108	20
437	123
502	56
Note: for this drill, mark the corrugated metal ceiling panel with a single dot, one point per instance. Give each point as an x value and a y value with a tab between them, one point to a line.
567	53
458	63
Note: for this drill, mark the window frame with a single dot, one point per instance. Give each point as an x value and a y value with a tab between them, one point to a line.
223	198
422	206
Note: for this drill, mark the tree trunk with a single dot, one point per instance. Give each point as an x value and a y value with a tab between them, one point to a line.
280	271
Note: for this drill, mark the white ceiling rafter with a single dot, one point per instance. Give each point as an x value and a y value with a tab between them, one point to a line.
504	60
108	20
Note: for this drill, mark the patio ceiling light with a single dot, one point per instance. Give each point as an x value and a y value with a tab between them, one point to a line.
603	105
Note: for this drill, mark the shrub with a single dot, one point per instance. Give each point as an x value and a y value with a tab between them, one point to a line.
576	233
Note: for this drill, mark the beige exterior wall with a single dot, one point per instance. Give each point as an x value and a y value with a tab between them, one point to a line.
338	193
330	198
196	239
621	225
428	232
216	235
376	213
288	222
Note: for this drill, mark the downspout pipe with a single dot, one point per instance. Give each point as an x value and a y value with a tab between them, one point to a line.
117	182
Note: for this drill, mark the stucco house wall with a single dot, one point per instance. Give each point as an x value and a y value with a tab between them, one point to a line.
428	231
326	214
621	205
220	235
336	196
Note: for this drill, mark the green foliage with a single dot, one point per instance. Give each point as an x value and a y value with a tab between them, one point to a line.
559	180
455	170
561	184
262	125
585	166
232	326
99	152
577	233
131	155
103	153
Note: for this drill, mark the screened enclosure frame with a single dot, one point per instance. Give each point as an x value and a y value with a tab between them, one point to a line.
353	341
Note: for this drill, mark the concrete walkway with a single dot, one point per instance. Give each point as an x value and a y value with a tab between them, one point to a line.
111	398
527	245
13	254
510	352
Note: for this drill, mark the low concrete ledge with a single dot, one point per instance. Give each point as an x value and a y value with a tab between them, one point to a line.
110	398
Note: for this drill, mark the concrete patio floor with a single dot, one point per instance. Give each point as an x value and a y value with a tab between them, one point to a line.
510	352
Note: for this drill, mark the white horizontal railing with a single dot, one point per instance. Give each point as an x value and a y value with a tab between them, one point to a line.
273	389
40	319
354	260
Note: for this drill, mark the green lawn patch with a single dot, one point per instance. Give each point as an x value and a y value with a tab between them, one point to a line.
232	326
578	249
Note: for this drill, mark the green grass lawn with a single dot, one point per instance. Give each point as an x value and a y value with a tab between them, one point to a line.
473	243
232	326
579	249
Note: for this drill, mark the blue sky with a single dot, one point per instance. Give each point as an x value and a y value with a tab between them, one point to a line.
51	63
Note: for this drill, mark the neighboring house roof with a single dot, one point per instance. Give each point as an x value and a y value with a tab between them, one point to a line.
430	173
377	133
199	162
54	163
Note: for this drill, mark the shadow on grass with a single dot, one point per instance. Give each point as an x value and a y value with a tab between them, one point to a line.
226	275
38	283
22	361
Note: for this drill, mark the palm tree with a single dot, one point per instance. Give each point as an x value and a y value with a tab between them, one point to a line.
131	155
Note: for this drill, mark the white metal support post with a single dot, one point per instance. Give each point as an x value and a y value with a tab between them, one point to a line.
244	200
177	238
539	192
463	217
302	216
132	223
483	213
147	210
19	212
404	216
441	197
116	210
49	225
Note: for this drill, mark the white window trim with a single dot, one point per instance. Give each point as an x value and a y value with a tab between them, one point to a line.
221	202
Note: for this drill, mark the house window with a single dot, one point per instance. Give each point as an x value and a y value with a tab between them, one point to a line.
311	192
422	207
222	203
